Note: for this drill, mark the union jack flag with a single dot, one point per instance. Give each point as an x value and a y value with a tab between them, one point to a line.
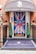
19	22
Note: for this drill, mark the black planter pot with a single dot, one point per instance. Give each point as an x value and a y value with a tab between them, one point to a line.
10	36
27	36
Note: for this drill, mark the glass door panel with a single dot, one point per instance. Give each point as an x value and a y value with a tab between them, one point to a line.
19	24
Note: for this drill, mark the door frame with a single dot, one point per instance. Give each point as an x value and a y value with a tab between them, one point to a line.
12	23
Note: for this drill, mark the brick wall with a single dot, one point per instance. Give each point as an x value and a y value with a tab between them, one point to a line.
6	18
33	16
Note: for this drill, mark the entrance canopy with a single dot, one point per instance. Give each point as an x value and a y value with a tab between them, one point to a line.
20	5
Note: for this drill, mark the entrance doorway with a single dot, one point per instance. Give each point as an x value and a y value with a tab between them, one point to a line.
19	24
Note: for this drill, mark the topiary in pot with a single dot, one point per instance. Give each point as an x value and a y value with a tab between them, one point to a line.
10	31
28	31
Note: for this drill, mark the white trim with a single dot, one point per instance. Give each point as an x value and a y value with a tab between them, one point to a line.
12	23
8	32
5	43
12	20
17	0
12	30
33	43
20	44
26	6
19	37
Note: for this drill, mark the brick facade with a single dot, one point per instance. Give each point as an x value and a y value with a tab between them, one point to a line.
6	18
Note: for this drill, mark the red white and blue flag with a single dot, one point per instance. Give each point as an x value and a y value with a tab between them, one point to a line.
19	22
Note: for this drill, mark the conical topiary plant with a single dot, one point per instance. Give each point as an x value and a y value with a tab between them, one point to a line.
10	30
28	30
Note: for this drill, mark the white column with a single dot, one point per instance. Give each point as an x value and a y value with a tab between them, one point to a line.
1	33
7	32
12	22
28	19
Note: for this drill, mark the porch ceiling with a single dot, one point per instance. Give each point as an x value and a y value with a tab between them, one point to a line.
27	5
